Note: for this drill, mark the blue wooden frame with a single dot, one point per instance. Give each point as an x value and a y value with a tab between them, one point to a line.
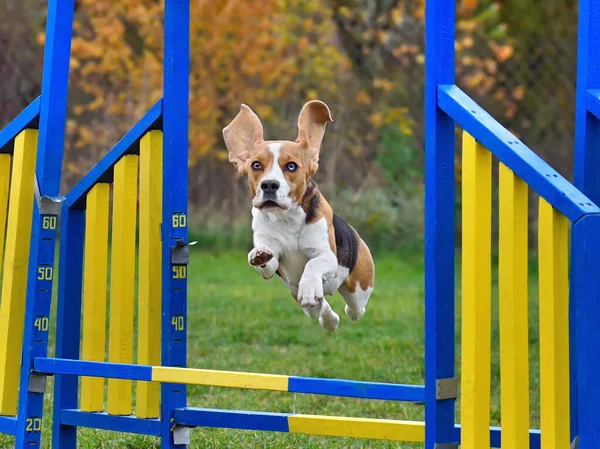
439	223
175	202
28	118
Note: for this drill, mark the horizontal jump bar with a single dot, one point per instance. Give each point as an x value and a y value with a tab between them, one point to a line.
323	425
231	379
8	425
593	102
27	118
129	144
382	429
104	421
532	169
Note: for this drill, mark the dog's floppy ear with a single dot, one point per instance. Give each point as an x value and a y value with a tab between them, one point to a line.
311	127
240	135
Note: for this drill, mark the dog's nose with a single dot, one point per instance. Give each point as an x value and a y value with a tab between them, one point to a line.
269	186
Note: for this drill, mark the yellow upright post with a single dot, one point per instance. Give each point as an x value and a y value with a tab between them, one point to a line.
514	342
554	327
95	278
150	270
476	294
4	186
16	264
122	280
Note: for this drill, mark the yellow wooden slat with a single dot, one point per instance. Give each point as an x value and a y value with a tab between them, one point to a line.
476	294
4	191
553	262
382	429
514	342
95	280
230	379
16	263
150	270
122	280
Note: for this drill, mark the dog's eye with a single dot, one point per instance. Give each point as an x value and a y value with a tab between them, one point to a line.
256	165
291	166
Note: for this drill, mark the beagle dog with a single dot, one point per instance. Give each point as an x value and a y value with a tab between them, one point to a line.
296	234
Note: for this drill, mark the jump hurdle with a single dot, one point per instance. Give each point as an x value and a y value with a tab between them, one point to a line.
152	159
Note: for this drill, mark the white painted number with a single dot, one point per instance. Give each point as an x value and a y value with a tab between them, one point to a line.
41	323
177	322
179	221
45	273
49	222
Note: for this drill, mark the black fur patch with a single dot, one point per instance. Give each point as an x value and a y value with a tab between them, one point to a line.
346	243
310	201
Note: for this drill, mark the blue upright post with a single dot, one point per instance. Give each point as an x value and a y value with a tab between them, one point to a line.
175	194
585	269
68	321
439	222
43	237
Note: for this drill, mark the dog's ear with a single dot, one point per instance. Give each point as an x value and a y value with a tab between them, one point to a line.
311	127
243	132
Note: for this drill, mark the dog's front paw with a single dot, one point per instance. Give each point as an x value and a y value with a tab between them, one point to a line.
260	256
310	292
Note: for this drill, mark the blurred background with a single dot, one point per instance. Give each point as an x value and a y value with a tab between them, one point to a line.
364	58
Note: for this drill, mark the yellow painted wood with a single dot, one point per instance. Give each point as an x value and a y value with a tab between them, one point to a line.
514	342
150	270
554	326
16	263
4	191
95	278
476	294
381	429
250	381
122	280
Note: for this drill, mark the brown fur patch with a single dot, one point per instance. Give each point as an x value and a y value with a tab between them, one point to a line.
363	273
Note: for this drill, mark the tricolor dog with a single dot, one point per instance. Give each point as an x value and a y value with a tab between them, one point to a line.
296	234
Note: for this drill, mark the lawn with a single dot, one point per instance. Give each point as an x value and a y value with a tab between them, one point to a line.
239	322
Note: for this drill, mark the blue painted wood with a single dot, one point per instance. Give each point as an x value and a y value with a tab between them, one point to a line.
52	119
542	178
357	389
587	127
439	221
496	437
175	200
28	118
93	369
593	102
104	421
232	419
8	425
103	170
68	321
585	294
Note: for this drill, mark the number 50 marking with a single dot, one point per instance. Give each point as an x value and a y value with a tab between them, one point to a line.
45	273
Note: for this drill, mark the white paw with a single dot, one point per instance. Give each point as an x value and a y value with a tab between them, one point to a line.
353	314
259	257
329	321
310	292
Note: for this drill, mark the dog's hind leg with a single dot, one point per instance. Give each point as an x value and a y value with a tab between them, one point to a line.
323	312
357	289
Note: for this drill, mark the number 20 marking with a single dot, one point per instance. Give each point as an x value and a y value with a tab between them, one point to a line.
45	273
33	424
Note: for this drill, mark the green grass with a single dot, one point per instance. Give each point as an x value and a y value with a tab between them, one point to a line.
239	322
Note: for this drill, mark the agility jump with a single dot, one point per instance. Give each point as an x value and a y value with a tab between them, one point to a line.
156	148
